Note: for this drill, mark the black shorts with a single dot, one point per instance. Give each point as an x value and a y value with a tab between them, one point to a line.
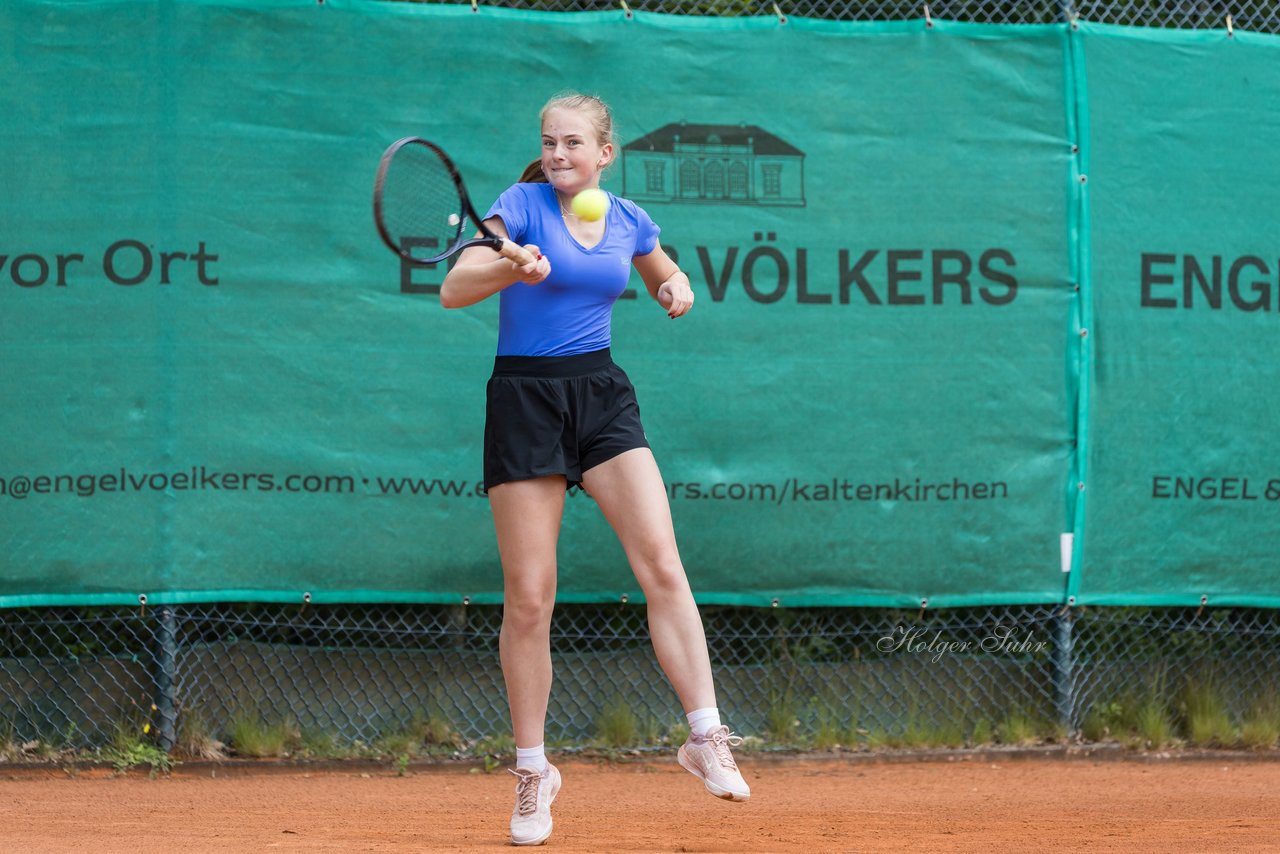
549	415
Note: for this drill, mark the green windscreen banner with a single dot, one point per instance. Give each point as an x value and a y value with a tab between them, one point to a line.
217	384
1182	483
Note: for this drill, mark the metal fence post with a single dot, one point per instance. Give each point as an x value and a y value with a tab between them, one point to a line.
458	624
166	678
1064	688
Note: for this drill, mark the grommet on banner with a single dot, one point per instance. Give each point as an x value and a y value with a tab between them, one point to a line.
928	19
306	600
142	604
1084	333
924	603
1204	600
1230	29
626	8
782	19
466	600
625	598
774	603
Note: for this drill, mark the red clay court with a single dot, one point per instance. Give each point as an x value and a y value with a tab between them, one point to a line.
968	803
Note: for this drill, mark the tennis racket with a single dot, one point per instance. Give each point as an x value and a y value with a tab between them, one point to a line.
421	207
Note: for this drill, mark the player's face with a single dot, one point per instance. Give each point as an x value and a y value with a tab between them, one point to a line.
572	155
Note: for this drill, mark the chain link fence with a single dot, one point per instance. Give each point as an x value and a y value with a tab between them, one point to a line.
1253	15
857	678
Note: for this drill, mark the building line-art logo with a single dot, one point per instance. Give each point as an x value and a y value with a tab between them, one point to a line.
740	164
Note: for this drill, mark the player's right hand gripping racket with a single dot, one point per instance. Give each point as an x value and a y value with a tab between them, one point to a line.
421	206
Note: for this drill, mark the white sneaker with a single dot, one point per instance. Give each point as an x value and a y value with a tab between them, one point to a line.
531	819
708	758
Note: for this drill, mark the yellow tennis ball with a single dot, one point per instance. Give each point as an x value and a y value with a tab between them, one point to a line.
590	205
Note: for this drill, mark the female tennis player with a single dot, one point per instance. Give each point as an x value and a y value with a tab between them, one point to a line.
559	414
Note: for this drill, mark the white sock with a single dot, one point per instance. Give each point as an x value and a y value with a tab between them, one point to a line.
531	757
702	721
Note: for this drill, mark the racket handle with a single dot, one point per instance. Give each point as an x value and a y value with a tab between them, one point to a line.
516	253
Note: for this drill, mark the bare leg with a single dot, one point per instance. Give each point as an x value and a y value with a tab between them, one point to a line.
526	515
631	494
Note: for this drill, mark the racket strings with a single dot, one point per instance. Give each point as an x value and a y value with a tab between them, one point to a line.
421	207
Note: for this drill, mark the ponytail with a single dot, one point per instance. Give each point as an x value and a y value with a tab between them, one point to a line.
533	173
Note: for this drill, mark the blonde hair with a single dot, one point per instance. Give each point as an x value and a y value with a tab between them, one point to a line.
596	111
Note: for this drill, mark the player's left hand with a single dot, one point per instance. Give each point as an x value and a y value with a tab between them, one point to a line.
675	296
532	274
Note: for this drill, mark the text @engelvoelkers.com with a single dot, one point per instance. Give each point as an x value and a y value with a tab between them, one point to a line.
211	481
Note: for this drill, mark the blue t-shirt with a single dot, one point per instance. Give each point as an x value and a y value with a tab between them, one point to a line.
570	311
